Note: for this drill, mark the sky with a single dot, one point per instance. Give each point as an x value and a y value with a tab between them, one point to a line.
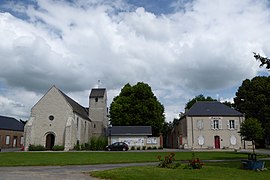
181	48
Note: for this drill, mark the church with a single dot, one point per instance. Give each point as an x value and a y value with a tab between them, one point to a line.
56	119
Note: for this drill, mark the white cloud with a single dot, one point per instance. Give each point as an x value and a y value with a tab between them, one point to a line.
206	47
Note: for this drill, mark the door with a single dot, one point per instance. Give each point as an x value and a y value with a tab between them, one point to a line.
50	141
217	142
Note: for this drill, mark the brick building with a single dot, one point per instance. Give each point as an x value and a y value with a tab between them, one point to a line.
11	133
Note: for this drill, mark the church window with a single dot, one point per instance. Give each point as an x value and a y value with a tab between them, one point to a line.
51	117
96	99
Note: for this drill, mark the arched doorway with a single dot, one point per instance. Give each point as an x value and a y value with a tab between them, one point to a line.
50	141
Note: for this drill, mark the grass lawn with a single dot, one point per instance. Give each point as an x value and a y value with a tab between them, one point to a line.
83	158
224	170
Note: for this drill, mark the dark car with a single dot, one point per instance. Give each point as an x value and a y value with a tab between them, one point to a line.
117	146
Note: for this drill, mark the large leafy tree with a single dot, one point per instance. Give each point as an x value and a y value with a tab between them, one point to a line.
253	99
198	98
137	106
251	130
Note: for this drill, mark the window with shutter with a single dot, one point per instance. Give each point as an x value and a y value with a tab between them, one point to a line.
219	124
236	125
216	124
212	124
200	124
231	124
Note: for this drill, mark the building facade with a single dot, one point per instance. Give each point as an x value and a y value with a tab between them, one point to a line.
209	125
11	133
56	119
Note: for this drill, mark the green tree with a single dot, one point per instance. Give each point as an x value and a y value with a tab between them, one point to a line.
263	60
198	98
253	99
251	130
137	106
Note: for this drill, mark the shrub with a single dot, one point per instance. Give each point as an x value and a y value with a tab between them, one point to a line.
168	161
138	148
83	147
98	143
160	147
144	147
58	148
195	163
77	147
154	148
149	148
36	148
132	148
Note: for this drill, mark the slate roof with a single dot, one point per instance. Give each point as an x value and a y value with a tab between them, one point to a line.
9	123
98	92
130	130
212	108
77	108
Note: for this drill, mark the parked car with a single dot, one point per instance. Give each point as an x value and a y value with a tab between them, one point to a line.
117	146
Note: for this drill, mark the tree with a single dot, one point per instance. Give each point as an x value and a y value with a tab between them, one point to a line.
251	130
263	60
137	106
198	98
253	99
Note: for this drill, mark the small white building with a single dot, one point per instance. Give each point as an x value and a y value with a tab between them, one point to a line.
56	119
134	136
209	125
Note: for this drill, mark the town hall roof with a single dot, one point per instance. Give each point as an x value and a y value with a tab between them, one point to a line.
9	123
77	108
129	130
97	92
212	108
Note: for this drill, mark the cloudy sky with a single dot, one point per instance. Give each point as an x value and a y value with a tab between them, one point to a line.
181	48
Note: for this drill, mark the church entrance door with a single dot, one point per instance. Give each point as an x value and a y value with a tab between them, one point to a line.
50	141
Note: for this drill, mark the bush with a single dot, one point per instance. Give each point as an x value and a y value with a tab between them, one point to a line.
36	148
154	148
160	147
98	143
138	148
77	147
132	148
58	148
195	163
168	161
149	148
144	147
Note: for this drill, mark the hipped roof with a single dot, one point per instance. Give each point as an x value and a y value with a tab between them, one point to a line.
212	108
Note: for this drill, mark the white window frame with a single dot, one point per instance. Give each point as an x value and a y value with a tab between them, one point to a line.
216	124
232	124
21	140
7	139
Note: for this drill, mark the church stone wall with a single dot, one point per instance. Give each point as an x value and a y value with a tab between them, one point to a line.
52	104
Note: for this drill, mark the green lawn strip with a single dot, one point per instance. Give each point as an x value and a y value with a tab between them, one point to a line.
83	158
221	170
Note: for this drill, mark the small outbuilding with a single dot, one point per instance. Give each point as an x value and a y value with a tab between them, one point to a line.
134	136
